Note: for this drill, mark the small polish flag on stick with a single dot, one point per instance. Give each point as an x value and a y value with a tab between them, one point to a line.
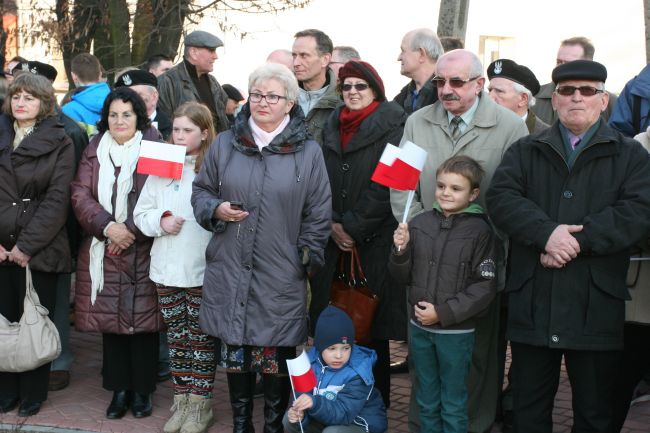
400	167
161	159
303	378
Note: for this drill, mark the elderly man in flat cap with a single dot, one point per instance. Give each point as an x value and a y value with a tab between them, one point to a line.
512	86
145	84
190	80
573	199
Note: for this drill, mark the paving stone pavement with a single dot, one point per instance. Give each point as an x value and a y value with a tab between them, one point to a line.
81	407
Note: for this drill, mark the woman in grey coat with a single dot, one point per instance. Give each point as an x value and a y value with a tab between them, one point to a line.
264	193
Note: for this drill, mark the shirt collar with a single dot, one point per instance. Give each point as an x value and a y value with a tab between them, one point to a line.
467	116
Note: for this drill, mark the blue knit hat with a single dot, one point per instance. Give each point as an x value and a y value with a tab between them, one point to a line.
333	326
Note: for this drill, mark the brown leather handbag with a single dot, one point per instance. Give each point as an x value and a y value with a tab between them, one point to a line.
351	294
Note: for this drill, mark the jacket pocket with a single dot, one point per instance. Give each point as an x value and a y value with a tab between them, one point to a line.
520	289
605	312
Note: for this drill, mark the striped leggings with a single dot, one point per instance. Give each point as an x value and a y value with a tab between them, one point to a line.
191	352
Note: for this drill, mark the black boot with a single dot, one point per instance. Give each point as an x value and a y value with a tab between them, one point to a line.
241	387
277	389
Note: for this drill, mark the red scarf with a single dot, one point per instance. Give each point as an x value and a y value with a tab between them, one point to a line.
349	121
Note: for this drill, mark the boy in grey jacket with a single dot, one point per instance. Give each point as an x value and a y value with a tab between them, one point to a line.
446	257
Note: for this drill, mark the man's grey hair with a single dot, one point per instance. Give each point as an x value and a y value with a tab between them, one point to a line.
275	71
347	53
476	67
427	40
521	89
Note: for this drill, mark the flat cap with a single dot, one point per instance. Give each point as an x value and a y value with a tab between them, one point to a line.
135	77
38	68
506	68
232	92
579	70
201	39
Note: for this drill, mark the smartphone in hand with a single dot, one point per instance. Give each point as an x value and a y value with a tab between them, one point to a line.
236	205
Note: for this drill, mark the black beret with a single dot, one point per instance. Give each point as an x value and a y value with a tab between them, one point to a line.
579	70
135	77
201	39
37	68
232	92
506	68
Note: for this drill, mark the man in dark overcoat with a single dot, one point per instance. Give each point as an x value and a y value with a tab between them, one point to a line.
573	199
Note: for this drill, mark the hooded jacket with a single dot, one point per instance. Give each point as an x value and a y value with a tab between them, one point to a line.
255	285
86	104
35	194
450	263
320	112
346	396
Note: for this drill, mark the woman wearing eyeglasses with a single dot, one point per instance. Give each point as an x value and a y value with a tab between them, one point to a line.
264	194
353	140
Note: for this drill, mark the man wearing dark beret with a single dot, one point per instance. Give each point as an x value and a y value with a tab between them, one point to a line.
145	84
190	80
234	98
572	199
36	67
512	86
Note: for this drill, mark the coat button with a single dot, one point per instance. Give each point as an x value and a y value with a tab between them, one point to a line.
345	167
131	329
12	237
248	267
567	194
344	193
241	304
555	339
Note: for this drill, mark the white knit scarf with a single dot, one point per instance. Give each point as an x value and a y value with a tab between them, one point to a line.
129	160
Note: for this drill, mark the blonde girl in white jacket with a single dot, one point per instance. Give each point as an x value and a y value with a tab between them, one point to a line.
164	212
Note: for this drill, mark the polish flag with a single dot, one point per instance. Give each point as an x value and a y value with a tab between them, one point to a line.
400	167
161	159
303	378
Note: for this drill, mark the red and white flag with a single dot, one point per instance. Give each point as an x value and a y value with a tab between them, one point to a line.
161	159
400	167
303	378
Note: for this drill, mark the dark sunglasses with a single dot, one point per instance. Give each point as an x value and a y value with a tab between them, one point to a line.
584	90
453	82
359	87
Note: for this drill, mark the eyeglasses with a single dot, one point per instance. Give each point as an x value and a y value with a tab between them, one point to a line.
270	99
453	82
359	87
584	90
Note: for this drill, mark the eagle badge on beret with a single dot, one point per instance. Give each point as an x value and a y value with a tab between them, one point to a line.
498	67
127	80
487	269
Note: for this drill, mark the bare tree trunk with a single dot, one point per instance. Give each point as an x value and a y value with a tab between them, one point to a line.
3	36
646	15
452	18
169	15
142	28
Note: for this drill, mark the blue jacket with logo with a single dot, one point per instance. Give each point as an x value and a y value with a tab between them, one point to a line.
346	396
86	106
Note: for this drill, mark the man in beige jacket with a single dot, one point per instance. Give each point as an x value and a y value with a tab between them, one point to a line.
464	121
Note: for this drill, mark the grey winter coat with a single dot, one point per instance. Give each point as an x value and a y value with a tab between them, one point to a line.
255	284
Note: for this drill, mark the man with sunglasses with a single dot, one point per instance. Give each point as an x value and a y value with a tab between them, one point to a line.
572	199
464	121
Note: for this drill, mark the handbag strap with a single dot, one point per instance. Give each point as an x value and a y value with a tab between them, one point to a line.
355	265
30	293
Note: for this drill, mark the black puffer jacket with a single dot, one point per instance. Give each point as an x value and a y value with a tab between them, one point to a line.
363	207
450	263
35	193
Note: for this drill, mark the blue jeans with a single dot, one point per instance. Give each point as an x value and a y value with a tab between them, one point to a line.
442	364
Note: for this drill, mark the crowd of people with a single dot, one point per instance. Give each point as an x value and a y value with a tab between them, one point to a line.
530	203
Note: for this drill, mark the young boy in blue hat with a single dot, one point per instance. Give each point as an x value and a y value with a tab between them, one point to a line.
344	400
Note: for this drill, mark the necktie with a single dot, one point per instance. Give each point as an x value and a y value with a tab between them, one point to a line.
575	141
454	125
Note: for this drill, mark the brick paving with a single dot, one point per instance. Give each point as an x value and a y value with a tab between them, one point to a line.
82	406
